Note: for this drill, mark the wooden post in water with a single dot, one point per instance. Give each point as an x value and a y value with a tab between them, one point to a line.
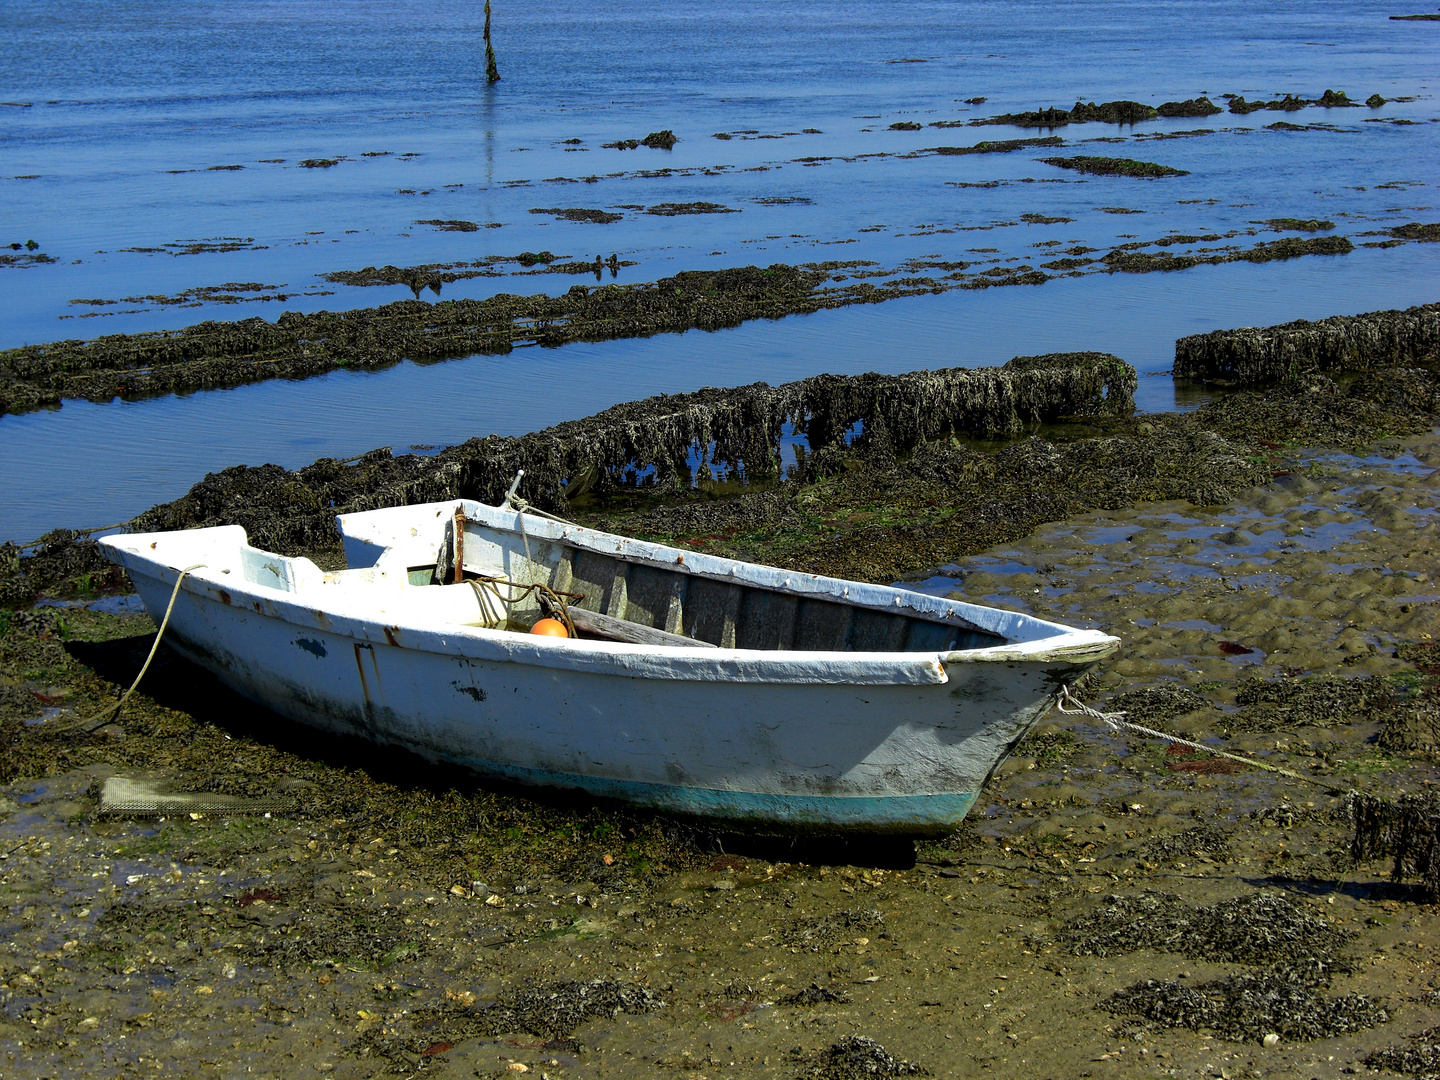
492	73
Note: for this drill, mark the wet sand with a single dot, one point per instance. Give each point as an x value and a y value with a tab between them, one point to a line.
400	920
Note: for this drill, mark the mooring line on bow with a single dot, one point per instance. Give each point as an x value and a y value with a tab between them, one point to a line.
154	647
1116	721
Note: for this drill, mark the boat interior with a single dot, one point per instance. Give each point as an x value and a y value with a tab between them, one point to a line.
680	606
503	579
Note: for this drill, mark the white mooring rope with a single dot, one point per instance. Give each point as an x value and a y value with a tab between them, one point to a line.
146	667
1115	721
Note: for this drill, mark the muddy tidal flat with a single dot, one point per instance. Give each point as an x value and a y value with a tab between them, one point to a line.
1114	906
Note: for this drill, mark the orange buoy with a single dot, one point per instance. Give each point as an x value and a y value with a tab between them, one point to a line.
550	628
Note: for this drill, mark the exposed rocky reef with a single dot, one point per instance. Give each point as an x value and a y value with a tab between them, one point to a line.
1330	99
1290	224
738	429
647	468
678	209
26	260
456	225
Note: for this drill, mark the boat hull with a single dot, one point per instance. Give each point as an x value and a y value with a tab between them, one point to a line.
762	697
872	758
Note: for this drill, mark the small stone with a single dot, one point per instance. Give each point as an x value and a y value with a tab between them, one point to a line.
1271	1041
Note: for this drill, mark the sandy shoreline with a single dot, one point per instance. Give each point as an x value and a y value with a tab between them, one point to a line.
401	920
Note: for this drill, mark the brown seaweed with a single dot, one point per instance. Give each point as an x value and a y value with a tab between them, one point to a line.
1290	224
1111	112
212	354
1256	356
1109	166
1289	103
993	146
739	430
1201	106
1405	831
595	217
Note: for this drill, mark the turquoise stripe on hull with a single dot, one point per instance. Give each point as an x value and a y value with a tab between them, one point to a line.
902	814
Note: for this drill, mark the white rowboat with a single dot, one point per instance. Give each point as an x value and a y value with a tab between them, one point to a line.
744	692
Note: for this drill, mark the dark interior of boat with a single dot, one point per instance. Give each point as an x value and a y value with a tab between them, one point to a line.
629	599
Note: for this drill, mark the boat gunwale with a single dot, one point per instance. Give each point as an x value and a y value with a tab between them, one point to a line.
961	614
1079	646
617	659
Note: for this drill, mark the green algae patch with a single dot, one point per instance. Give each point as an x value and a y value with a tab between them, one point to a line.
1109	166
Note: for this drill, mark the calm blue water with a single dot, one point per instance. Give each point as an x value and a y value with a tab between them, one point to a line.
120	112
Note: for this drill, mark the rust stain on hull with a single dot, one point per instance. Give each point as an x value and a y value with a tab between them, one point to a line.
360	667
